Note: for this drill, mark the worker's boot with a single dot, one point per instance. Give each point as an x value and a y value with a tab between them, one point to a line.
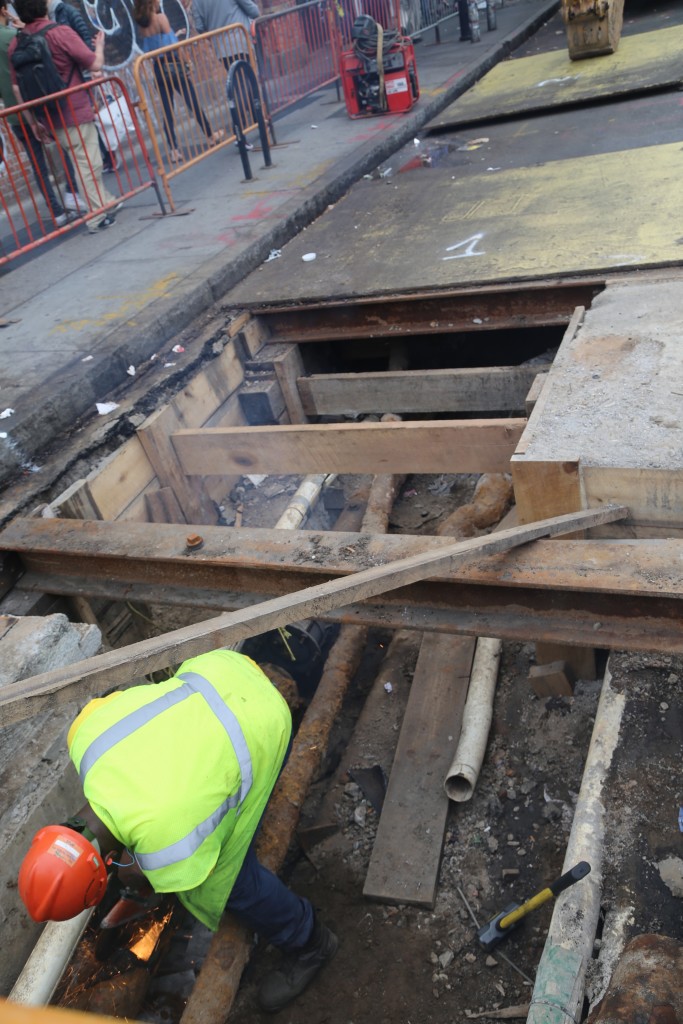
298	969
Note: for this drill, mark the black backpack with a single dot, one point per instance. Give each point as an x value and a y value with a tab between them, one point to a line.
35	69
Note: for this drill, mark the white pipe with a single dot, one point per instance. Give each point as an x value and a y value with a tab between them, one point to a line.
41	973
304	500
560	979
476	721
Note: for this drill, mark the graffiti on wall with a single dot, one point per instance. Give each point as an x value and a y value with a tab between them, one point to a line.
115	19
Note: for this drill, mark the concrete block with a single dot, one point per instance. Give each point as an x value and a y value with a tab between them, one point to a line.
38	784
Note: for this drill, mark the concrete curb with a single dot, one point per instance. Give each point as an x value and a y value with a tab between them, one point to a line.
71	395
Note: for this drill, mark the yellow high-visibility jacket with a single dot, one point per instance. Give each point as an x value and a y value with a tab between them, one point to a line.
181	771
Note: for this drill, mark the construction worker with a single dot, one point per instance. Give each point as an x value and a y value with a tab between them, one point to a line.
176	776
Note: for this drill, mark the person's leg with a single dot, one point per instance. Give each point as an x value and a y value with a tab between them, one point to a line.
464	17
286	920
81	141
164	82
36	155
192	103
265	903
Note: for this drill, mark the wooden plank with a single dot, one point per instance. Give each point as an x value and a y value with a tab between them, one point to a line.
207	391
405	859
22	699
289	368
163	507
261	399
155	437
124	475
580	661
441	446
546	488
76	502
487	389
534	393
657	494
555	679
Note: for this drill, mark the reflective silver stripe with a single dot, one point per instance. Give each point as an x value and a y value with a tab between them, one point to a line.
117	732
229	723
190	843
193	683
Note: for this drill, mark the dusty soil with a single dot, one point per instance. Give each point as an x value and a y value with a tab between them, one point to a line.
401	963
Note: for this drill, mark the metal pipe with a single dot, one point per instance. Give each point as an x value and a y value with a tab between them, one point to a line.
304	501
217	984
43	970
463	773
558	993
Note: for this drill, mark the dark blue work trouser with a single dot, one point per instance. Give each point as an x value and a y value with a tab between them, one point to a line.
266	905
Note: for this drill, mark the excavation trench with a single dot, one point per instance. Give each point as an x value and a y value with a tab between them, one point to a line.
399	959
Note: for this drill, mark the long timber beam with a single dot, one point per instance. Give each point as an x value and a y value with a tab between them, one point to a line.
438	446
617	594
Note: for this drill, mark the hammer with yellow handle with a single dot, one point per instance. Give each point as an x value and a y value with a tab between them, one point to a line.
495	930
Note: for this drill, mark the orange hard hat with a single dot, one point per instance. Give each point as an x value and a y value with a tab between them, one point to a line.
61	875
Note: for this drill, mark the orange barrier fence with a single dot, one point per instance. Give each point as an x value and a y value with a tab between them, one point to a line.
299	49
195	70
51	173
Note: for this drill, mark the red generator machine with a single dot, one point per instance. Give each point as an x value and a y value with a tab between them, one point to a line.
379	74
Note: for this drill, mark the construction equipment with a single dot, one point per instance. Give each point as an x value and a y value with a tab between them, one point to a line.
593	26
495	930
378	73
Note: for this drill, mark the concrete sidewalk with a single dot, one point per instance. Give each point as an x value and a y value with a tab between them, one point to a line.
121	296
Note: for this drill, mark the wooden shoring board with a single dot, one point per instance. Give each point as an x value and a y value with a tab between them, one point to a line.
406	855
155	437
22	699
487	389
649	60
441	446
120	485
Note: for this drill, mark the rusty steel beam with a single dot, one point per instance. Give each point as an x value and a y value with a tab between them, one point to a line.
535	304
277	562
617	594
627	622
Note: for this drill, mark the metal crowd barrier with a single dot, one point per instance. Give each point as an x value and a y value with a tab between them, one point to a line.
242	76
299	49
193	71
52	183
298	52
419	15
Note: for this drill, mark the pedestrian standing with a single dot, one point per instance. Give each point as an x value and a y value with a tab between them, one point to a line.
212	14
171	74
74	124
64	13
33	147
177	776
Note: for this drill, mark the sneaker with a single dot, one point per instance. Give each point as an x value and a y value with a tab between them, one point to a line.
108	222
75	203
60	219
298	969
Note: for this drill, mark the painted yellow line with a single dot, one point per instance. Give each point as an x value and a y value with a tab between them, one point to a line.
123	305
